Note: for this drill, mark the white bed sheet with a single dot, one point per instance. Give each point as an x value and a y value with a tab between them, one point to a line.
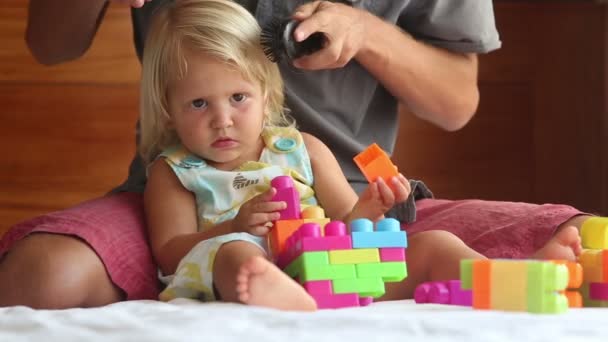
403	321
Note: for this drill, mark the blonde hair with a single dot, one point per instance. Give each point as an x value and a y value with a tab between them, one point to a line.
219	28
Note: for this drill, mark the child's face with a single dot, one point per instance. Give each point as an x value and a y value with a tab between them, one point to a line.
218	115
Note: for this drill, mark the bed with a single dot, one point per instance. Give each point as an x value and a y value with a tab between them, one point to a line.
188	320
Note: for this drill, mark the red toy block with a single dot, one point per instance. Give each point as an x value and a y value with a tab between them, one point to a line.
392	254
287	192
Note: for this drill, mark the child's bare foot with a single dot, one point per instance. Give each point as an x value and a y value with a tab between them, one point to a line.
565	245
259	282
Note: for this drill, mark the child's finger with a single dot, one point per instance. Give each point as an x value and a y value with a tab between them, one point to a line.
259	230
269	206
386	194
260	219
400	191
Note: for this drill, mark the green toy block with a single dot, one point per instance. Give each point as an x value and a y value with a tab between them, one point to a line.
315	266
466	274
365	287
388	271
544	280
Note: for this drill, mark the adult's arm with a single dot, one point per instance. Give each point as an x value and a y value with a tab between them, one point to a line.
62	30
437	83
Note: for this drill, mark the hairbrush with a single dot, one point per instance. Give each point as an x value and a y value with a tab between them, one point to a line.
279	44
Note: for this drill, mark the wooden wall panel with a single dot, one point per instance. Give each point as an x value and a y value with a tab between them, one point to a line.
67	130
542	125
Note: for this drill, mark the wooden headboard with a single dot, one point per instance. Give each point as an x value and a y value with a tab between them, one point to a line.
539	135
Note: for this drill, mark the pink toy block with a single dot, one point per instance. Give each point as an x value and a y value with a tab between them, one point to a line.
443	292
319	287
365	301
598	291
337	301
392	254
308	239
287	192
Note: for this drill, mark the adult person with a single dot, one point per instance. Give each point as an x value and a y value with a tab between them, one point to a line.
380	53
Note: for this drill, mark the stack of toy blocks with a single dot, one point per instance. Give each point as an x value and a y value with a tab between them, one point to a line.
594	259
341	270
516	285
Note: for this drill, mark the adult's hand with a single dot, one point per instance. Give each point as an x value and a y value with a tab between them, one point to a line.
343	26
132	3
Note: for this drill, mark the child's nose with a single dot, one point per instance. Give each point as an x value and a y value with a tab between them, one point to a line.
222	118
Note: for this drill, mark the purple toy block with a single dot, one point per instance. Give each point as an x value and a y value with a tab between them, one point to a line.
432	292
319	287
598	291
287	192
337	301
458	296
365	301
443	292
392	254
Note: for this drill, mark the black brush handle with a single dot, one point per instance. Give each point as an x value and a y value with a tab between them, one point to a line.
310	45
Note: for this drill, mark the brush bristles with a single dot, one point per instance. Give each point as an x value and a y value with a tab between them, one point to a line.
271	40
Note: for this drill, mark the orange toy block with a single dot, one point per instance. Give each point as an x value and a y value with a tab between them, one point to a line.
481	284
374	163
279	233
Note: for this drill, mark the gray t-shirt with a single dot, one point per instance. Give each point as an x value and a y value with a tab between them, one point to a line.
347	108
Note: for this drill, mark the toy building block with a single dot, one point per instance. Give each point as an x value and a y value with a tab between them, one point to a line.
388	233
588	301
594	233
575	280
374	162
388	271
533	285
312	266
443	292
308	239
318	261
598	291
595	265
286	191
280	232
392	254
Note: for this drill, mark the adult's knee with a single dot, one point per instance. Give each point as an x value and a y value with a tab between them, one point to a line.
51	272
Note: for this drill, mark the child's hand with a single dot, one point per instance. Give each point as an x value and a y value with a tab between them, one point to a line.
378	198
256	215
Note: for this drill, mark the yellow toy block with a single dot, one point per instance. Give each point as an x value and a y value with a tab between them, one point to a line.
594	233
509	286
354	256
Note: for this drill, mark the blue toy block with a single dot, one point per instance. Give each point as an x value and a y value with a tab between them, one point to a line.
388	234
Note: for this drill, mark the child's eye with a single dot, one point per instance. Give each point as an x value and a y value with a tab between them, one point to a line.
199	103
239	97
